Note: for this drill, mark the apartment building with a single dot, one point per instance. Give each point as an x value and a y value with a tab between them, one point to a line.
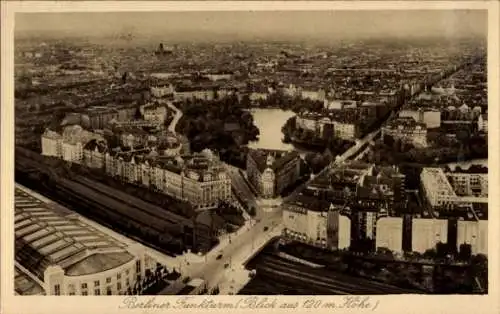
271	171
218	76
137	124
469	184
313	95
198	178
52	143
427	232
67	145
390	233
474	233
155	113
407	130
100	116
343	127
191	93
448	190
162	90
311	221
431	117
362	193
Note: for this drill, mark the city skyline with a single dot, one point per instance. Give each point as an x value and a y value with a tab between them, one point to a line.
271	25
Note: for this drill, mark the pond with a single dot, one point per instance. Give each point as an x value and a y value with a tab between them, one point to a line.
270	122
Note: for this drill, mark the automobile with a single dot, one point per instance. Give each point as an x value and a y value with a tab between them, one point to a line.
226	265
266	228
219	256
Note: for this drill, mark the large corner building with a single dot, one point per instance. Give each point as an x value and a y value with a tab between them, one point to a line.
271	171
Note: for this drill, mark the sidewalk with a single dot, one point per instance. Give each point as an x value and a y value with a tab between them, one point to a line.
224	239
237	279
234	279
237	204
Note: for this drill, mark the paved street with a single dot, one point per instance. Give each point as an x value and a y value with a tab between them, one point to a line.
341	158
237	251
177	117
240	185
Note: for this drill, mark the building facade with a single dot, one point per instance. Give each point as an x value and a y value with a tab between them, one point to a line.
474	233
448	190
407	130
390	234
345	129
100	116
76	259
52	144
162	91
202	94
67	145
317	224
204	186
430	117
271	171
427	233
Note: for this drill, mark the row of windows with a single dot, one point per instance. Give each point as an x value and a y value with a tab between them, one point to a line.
97	290
97	283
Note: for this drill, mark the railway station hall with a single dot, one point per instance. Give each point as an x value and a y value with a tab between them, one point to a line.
59	253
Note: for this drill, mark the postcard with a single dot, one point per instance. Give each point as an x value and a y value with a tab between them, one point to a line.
249	156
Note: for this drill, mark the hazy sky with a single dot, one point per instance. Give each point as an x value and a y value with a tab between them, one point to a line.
312	24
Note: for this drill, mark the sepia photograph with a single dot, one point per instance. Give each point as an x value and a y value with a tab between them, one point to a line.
250	153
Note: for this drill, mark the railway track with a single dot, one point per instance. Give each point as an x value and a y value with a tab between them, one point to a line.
110	205
105	191
335	281
133	202
292	276
113	207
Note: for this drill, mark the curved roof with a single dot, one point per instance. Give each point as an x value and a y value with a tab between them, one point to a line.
98	262
47	235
